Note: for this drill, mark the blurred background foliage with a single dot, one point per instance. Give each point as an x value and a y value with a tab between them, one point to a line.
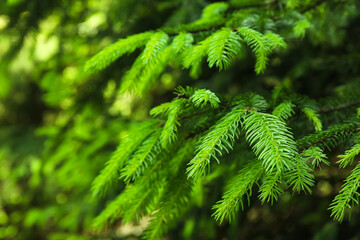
58	126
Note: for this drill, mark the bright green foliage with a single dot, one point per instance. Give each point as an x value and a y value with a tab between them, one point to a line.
348	158
195	54
240	186
314	118
108	175
168	134
302	177
182	42
271	140
145	71
217	139
224	46
347	196
116	50
161	110
300	28
328	138
175	201
316	155
215	9
259	44
203	96
145	155
275	40
292	4
154	46
284	110
270	189
132	210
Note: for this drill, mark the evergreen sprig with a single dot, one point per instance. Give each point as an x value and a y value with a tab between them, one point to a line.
202	97
259	43
284	110
110	173
217	139
272	141
240	186
348	195
157	42
224	47
145	155
348	158
313	117
116	50
168	134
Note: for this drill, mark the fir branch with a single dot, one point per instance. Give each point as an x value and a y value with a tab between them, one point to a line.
275	40
270	188
348	195
313	117
328	138
162	109
182	42
140	77
154	46
240	186
110	173
146	191
195	54
174	202
147	198
203	96
116	50
284	110
259	44
217	139
317	155
271	140
144	155
214	9
168	134
223	48
302	176
348	158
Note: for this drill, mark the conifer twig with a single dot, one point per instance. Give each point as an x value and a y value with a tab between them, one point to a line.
339	107
326	138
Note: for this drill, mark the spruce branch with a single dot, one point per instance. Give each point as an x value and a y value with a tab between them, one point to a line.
224	47
144	156
217	139
203	96
168	134
328	138
347	196
110	173
116	50
272	141
270	188
348	158
240	186
313	116
284	110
